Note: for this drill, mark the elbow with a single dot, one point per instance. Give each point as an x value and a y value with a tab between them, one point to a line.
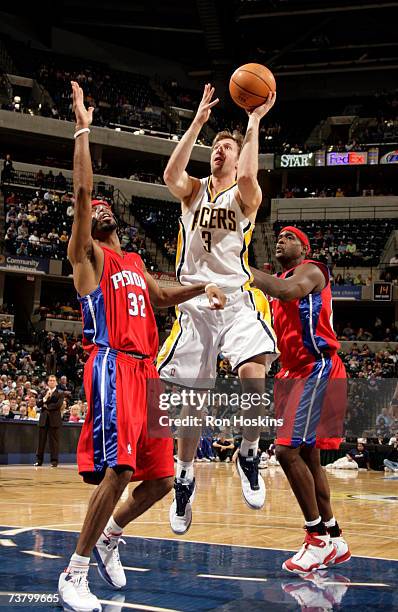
285	294
168	175
159	299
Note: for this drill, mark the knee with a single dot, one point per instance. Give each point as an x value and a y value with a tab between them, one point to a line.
118	478
157	489
252	376
284	455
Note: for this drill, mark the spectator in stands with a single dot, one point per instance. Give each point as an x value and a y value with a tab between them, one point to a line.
8	170
23	412
40	179
391	461
32	407
51	349
360	456
383	419
351	247
6	412
224	448
22	250
49	179
60	182
204	452
75	416
358	280
65	387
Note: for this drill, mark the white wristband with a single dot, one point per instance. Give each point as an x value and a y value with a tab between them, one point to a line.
211	285
82	131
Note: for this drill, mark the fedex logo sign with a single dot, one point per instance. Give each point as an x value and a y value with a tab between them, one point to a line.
351	158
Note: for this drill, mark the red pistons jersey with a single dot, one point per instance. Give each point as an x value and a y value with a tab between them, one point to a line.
118	313
304	327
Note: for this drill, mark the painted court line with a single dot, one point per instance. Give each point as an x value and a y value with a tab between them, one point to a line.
5	542
137	606
193	541
248	579
13	532
350	584
34	553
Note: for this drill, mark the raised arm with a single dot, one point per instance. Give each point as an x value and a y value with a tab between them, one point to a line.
248	187
181	185
305	279
81	241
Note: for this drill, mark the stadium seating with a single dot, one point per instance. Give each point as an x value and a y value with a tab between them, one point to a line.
39	223
329	239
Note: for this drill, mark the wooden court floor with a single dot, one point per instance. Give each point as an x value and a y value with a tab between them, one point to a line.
366	505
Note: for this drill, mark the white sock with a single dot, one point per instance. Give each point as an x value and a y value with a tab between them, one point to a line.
331	522
184	471
313	523
247	446
78	563
112	527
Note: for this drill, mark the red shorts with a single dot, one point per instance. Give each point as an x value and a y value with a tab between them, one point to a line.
311	401
115	430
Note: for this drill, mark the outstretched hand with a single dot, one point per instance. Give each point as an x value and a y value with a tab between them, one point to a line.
262	110
84	117
206	104
217	297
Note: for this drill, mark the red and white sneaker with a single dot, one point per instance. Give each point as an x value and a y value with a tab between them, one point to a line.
342	550
316	552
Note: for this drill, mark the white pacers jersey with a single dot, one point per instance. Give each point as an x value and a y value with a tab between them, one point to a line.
214	239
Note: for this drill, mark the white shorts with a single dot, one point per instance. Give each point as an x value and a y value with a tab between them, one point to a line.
240	332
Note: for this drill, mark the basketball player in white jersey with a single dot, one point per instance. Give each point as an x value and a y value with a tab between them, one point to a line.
216	224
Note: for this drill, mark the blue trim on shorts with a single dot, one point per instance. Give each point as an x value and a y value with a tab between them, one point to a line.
311	400
104	411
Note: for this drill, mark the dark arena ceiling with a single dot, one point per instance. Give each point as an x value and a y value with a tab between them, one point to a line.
290	36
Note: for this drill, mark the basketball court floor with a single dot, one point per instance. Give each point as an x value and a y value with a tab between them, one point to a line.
229	560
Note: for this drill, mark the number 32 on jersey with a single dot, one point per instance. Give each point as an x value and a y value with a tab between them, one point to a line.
136	304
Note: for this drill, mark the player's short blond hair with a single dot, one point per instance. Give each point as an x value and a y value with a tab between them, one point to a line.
235	136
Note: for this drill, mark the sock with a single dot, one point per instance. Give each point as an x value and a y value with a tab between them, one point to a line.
247	446
77	562
184	471
316	526
333	528
113	528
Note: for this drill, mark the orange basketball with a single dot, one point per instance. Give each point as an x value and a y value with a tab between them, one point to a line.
250	85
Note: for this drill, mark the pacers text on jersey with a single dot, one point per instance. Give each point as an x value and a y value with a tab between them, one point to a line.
214	218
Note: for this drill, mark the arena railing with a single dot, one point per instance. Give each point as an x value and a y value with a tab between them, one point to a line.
325	213
25	178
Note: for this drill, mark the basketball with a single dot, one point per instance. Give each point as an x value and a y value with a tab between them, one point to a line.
250	85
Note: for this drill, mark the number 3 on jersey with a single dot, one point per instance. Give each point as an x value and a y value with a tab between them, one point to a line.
206	237
137	303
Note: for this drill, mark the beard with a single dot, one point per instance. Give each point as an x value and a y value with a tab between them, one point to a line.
102	228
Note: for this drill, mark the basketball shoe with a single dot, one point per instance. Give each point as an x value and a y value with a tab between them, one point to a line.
180	514
74	592
343	553
253	486
106	552
316	552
